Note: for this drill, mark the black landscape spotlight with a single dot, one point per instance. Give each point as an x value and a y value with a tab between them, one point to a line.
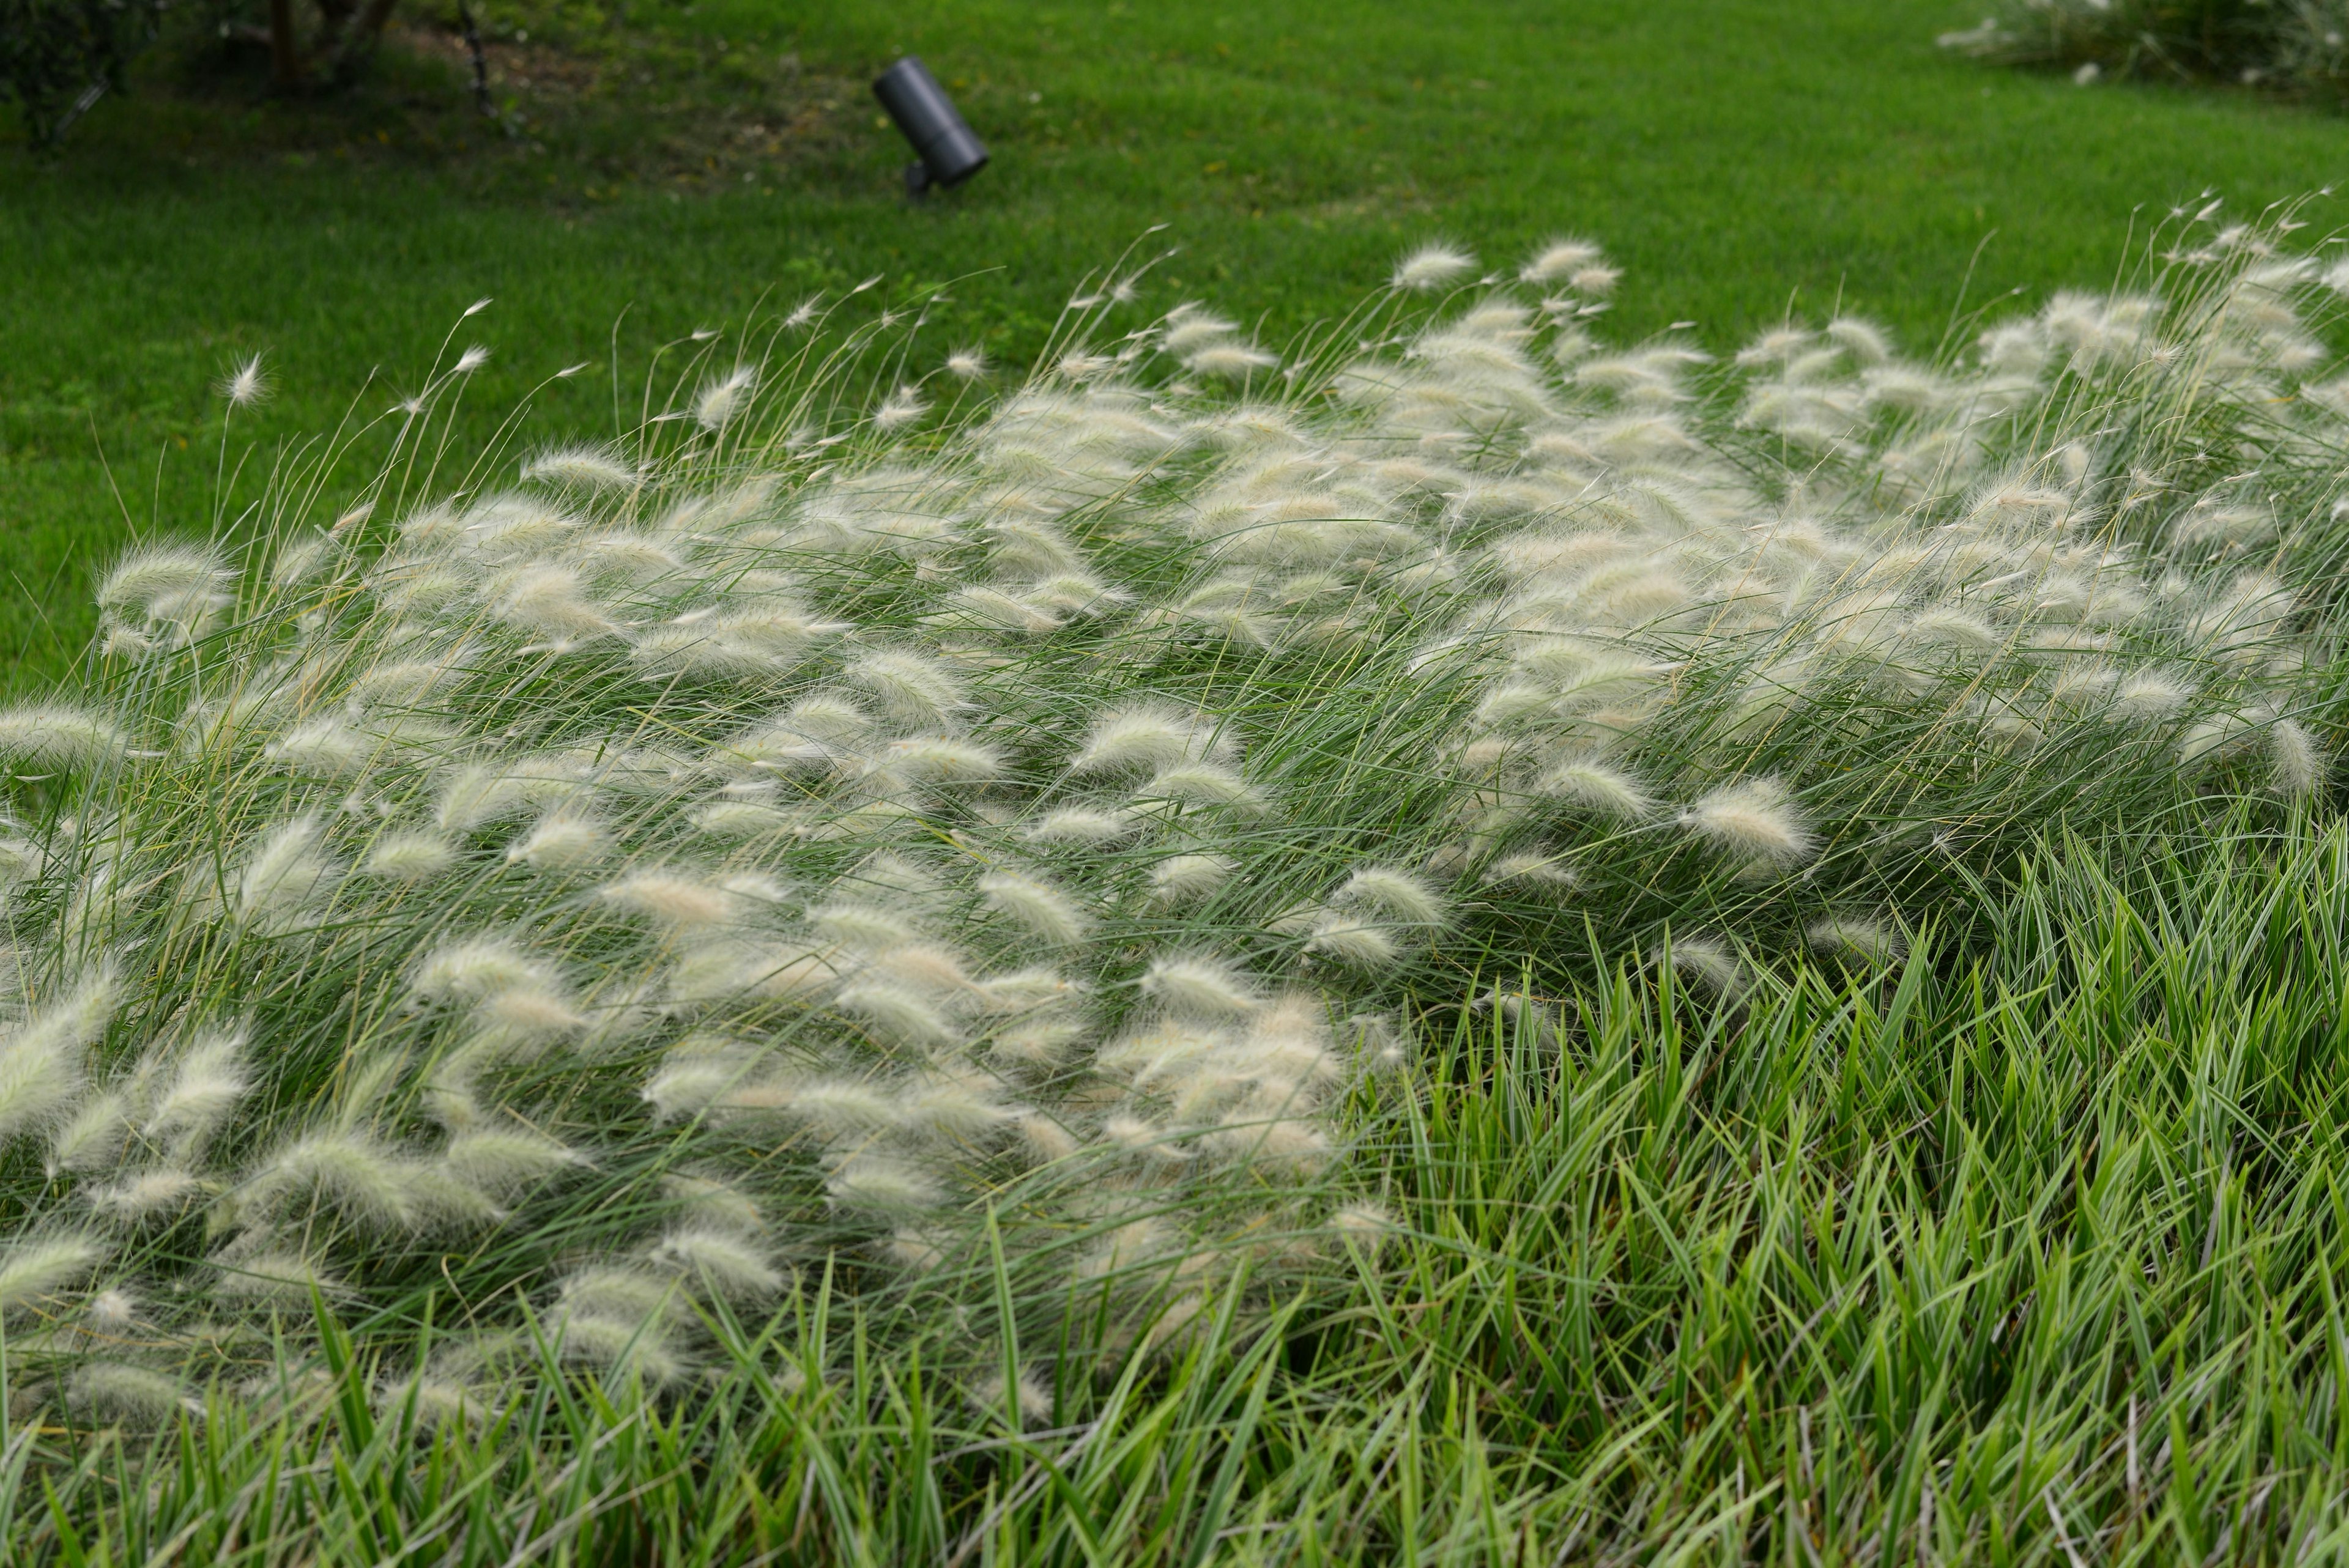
947	152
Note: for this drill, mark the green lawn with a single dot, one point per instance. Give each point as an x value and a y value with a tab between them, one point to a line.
1740	159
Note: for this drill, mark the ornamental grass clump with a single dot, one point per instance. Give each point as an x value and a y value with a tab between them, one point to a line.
958	856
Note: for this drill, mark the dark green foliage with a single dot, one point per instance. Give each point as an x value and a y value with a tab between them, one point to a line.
2295	44
58	56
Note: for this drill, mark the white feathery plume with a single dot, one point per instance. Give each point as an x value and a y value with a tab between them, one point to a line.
678	902
1200	987
855	924
91	1139
1399	893
359	1176
1365	1226
1140	739
1201	784
941	760
475	967
119	1391
160	578
50	736
475	794
1432	267
1352	941
897	1012
1710	966
35	1266
1855	939
2297	768
1560	258
1230	361
285	871
1180	879
1754	820
1026	1396
721	400
416	855
2152	697
322	748
560	841
246	383
1608	791
206	1085
501	1161
585	467
41	1058
144	1194
878	1182
912	688
900	408
1081	825
1036	904
722	1261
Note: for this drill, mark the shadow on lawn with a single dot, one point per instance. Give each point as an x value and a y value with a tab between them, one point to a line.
574	113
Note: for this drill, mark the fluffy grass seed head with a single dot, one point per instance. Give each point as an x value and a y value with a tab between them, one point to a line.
582	468
502	1161
1026	1393
56	737
723	1262
91	1139
562	840
2296	769
474	967
1081	825
285	871
1186	878
1352	941
1432	267
721	400
1366	1226
1036	904
1230	361
119	1391
913	689
413	856
158	578
1200	987
1855	940
1560	258
211	1079
1709	965
246	383
900	408
1401	894
37	1266
41	1060
1596	788
1141	739
678	902
1754	822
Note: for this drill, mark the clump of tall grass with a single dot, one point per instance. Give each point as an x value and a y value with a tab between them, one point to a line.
956	850
2293	45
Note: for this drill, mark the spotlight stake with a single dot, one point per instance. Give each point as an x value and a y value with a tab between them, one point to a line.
945	152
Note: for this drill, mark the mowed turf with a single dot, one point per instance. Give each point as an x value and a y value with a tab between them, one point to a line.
1743	159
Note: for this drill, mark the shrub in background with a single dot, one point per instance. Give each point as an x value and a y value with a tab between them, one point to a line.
57	56
2296	45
